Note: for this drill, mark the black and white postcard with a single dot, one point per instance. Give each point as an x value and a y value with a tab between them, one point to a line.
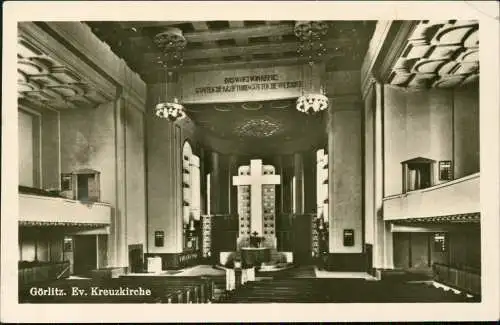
244	161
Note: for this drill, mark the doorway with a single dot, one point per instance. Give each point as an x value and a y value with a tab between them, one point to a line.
301	242
135	258
84	254
417	251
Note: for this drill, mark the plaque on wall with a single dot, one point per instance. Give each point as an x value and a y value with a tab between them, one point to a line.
66	182
159	238
348	237
445	170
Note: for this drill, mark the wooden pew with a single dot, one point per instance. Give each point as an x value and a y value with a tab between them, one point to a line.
198	289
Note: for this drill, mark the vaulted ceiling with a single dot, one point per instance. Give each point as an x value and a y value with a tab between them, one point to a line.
231	44
440	54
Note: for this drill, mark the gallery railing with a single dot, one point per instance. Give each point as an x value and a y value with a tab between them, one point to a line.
468	280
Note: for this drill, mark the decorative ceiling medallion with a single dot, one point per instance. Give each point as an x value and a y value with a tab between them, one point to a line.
259	128
280	104
41	79
64	74
468	68
471	55
472	40
26	50
39	95
251	106
450	60
45	80
30	67
428	66
56	95
43	61
24	87
453	34
404	66
448	68
68	90
448	82
470	79
412	51
421	80
21	76
223	107
442	52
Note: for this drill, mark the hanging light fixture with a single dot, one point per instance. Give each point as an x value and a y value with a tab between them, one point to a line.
311	35
172	43
312	103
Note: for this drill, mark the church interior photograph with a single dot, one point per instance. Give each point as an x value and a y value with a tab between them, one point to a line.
246	161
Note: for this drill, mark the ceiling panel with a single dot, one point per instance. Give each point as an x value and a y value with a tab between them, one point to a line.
230	44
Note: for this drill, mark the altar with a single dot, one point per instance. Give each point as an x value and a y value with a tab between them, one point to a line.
255	256
256	241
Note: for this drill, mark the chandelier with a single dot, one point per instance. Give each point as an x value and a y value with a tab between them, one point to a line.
171	42
311	35
171	111
312	103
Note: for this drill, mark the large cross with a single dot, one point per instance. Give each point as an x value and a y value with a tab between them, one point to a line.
256	179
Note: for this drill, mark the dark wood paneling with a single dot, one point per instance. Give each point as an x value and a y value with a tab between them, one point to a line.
302	239
224	233
346	262
175	260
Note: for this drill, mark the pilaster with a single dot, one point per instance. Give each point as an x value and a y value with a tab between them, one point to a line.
345	173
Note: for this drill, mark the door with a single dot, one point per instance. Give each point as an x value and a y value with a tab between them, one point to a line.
135	258
301	243
224	235
83	186
401	249
420	257
84	254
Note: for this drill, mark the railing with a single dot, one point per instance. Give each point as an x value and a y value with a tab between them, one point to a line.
43	209
460	196
468	280
29	273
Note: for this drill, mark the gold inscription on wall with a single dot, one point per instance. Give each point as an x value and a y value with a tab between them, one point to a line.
243	84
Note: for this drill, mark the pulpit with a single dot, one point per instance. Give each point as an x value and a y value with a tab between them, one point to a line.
255	256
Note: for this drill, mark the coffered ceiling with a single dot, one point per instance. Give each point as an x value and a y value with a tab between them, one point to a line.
439	54
231	44
42	79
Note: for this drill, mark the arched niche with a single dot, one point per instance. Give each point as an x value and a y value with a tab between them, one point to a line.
190	197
